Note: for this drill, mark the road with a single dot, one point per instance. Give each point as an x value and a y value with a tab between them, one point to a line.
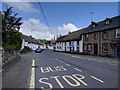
61	70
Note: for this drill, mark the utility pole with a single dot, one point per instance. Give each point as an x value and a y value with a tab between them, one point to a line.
31	31
92	13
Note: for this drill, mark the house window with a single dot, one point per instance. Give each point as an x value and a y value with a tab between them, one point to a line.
118	33
95	36
86	37
94	25
105	35
105	47
107	22
90	47
84	47
77	42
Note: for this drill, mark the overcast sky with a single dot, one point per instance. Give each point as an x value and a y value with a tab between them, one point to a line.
62	17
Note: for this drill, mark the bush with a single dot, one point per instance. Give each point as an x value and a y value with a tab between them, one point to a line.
9	47
25	50
12	41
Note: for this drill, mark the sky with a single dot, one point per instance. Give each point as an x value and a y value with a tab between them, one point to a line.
62	17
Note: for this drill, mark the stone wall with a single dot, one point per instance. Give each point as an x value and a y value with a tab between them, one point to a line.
0	58
9	56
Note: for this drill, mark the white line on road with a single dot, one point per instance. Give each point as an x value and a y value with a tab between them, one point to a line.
113	64
67	64
32	78
97	79
56	59
78	69
61	61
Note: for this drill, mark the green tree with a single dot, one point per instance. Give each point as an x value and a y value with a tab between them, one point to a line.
10	22
12	38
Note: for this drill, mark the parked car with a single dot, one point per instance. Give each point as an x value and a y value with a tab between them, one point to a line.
38	50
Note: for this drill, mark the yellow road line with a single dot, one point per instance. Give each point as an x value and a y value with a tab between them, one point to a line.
32	78
67	64
78	69
97	79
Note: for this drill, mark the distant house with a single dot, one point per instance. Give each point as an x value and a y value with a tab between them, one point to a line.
73	42
30	42
103	38
53	41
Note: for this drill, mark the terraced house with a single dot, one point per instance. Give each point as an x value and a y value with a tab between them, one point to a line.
103	38
73	42
99	38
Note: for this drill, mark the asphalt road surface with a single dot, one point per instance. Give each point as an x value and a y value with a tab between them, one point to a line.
60	70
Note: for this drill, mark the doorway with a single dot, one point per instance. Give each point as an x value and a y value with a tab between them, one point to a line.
95	49
118	51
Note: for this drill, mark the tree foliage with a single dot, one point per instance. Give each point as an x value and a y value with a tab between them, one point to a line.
45	41
12	38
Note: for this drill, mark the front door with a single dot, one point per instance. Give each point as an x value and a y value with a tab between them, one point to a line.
95	49
118	51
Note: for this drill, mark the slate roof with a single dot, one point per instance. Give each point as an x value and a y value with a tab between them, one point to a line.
61	39
73	36
114	23
29	39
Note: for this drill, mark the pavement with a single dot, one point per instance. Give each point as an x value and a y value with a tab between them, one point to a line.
61	70
17	74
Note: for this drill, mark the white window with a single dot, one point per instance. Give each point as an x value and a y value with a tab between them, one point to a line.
105	35
86	37
118	33
105	47
85	47
107	22
95	36
89	47
94	25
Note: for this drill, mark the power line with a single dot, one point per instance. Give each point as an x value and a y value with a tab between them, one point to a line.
44	16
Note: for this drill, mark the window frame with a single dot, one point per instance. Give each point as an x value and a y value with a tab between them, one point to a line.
107	22
103	35
103	48
85	47
95	36
89	46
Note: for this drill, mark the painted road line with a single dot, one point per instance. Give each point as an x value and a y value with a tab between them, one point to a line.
67	64
113	64
97	79
78	69
79	57
32	78
61	61
56	59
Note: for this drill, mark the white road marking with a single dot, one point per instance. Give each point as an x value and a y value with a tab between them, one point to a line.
113	64
97	79
61	61
78	69
79	57
56	59
67	64
32	78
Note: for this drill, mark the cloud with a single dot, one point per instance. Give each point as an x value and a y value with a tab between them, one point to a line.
38	30
66	28
23	6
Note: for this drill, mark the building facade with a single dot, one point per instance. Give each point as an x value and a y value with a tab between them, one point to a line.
103	38
73	42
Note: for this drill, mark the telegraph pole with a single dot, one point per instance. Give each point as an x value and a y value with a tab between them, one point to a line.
92	13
